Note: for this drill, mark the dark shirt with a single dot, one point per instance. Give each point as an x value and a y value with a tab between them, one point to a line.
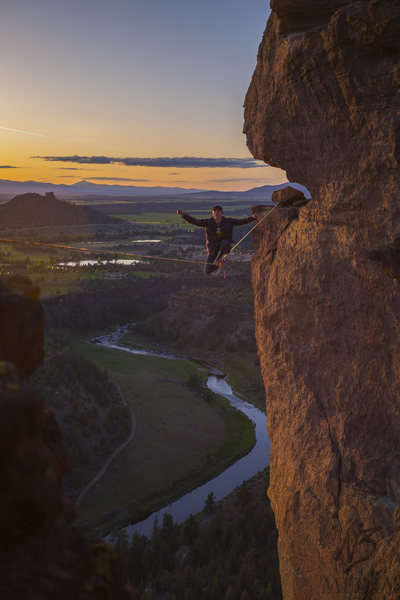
216	232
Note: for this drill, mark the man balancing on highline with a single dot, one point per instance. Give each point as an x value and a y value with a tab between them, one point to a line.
218	235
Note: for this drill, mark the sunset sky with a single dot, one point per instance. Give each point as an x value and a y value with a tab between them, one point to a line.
127	80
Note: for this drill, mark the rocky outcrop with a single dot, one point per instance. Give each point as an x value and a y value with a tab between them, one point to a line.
324	105
289	196
42	556
33	210
21	324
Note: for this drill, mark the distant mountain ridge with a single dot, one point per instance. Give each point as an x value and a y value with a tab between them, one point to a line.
9	188
263	192
34	210
85	188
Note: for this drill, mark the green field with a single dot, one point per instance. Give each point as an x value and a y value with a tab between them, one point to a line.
166	219
243	369
151	218
40	264
182	439
16	252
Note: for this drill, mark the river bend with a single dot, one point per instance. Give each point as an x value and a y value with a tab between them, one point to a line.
224	483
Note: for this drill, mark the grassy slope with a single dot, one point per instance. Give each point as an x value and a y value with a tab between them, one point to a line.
171	452
243	370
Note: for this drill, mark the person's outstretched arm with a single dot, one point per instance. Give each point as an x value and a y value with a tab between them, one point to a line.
192	220
236	222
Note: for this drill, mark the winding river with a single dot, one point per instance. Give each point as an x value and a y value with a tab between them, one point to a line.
224	483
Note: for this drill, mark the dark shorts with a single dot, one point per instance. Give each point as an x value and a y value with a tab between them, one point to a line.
214	256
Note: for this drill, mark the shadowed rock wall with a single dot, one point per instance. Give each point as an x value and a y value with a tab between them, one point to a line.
324	105
21	324
42	556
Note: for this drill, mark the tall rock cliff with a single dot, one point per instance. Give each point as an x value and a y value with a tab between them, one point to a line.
324	105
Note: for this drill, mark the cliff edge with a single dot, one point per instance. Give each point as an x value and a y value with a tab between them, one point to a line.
324	105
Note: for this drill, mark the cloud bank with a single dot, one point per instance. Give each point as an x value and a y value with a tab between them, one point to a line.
8	167
115	179
182	162
234	179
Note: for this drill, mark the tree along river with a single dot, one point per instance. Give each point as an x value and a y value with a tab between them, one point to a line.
224	483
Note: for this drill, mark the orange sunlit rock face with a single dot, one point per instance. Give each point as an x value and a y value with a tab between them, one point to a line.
323	104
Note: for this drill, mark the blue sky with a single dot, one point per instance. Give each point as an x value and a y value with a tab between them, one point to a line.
128	79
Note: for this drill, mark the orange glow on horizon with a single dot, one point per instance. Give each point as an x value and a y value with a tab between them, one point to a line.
37	169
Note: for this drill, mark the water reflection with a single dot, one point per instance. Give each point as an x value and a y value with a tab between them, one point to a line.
93	262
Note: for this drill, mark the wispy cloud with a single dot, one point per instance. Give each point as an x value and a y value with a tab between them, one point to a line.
115	179
69	168
192	162
8	167
26	132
